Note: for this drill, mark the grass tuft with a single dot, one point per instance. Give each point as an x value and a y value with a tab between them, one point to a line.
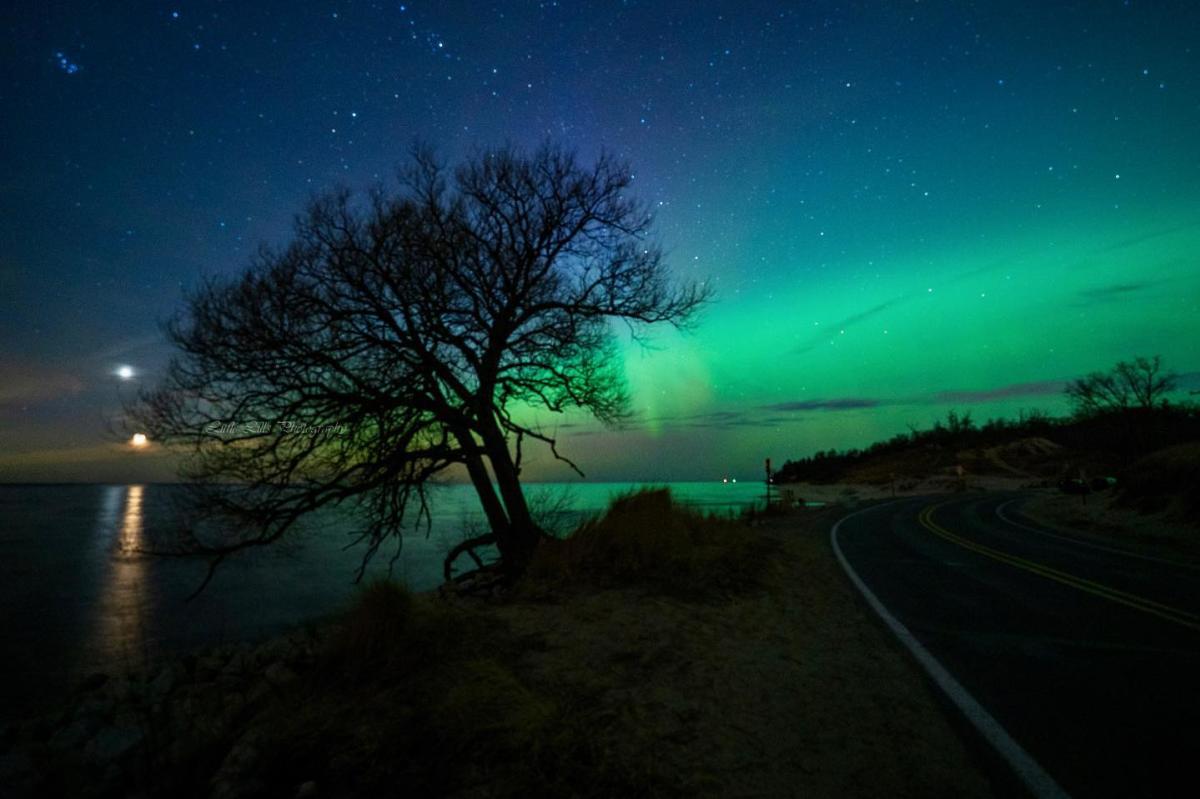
645	537
375	623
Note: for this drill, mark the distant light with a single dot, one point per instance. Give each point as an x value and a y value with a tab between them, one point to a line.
139	440
126	372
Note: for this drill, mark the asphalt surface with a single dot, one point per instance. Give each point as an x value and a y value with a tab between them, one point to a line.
1088	656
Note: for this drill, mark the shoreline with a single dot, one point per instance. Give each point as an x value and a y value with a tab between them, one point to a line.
794	677
792	681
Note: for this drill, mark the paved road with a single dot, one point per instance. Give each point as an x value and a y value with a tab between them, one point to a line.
1088	656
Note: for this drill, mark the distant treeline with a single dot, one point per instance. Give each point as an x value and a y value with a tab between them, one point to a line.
1117	415
1112	435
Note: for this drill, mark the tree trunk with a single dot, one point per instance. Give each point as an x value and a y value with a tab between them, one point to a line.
523	533
507	536
497	519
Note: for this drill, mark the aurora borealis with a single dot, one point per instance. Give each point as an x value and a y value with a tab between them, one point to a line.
905	207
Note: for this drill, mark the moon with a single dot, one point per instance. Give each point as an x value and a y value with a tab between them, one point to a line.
125	372
139	440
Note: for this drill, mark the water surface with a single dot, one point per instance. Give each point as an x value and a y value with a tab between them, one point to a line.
76	598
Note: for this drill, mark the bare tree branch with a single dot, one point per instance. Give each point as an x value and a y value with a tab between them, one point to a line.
392	339
1140	384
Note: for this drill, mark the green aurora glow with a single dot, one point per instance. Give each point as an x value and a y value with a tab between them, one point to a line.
904	209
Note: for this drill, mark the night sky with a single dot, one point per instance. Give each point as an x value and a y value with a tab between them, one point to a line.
904	207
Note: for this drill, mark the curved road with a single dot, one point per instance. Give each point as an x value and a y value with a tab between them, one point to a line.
1087	654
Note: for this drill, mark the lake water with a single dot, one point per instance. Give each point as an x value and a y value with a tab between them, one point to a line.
74	599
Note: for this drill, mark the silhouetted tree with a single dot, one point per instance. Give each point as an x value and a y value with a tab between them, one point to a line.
395	338
1140	384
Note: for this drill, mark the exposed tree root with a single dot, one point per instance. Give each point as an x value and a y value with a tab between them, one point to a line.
483	578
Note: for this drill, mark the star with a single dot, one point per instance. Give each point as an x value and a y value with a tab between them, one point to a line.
65	64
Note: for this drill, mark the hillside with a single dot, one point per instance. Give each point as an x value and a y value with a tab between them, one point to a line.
1152	455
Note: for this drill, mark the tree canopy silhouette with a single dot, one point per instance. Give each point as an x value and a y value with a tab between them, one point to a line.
395	337
1137	385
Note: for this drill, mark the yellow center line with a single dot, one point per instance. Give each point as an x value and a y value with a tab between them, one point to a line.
1167	612
1041	568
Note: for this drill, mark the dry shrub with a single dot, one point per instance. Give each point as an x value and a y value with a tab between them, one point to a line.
645	537
379	617
389	632
1168	479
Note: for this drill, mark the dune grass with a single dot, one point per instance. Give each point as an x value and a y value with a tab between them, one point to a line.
646	538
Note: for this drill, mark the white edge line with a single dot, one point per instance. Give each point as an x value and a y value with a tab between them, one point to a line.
1004	517
1032	775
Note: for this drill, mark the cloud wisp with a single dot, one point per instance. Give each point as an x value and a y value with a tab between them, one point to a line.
23	383
1038	388
1113	291
1133	241
849	321
903	299
837	404
779	414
